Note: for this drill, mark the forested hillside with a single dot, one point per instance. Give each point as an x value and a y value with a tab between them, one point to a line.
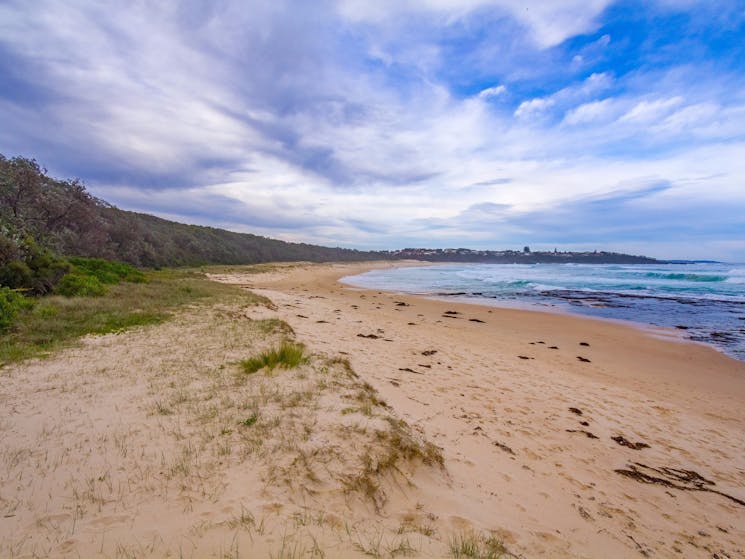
38	212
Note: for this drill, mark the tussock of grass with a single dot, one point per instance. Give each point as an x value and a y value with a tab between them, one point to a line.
344	364
287	356
470	545
55	321
274	326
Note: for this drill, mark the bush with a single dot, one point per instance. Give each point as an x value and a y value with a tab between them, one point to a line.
80	285
38	270
11	302
16	275
90	276
107	271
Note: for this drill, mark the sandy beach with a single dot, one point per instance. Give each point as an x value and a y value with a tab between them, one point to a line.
559	436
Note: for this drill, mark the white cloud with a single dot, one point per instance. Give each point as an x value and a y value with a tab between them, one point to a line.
549	23
649	111
566	97
596	82
494	91
690	116
533	106
590	112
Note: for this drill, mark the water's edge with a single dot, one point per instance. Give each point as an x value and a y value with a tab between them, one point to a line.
702	303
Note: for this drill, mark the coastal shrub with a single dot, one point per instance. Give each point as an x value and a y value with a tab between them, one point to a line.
11	303
107	271
90	276
80	285
36	270
287	356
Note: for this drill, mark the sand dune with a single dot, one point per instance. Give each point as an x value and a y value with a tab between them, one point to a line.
149	443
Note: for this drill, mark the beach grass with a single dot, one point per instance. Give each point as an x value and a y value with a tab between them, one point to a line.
56	321
287	355
473	545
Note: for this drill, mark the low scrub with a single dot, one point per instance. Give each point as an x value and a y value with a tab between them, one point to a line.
80	285
11	303
90	276
107	271
43	324
287	356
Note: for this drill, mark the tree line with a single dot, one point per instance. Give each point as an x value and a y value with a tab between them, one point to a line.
43	220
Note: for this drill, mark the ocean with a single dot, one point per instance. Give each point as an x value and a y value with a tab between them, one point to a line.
705	302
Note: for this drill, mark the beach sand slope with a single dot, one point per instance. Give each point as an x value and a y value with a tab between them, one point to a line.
572	437
414	428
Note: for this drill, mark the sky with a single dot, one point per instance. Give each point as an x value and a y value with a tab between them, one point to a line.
384	124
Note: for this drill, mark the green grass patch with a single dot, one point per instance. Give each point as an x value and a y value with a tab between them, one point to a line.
287	356
55	321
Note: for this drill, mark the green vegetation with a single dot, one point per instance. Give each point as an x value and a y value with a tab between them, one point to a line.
250	420
82	285
107	271
89	277
54	321
30	267
287	356
470	545
64	219
11	303
58	241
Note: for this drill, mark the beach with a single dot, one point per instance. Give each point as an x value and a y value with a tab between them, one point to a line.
557	435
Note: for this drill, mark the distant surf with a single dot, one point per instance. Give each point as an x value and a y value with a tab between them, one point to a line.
704	301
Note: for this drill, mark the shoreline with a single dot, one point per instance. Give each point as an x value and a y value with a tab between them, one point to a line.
688	356
666	332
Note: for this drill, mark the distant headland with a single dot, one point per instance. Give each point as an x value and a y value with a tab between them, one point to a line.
525	256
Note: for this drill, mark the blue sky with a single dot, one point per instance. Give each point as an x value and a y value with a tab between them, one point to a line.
577	124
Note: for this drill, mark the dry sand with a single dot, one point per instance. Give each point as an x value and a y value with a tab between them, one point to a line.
146	443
